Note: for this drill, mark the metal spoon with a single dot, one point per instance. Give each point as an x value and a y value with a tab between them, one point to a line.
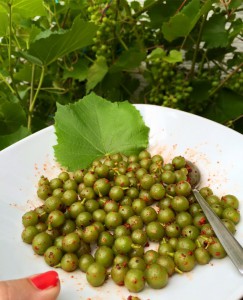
228	241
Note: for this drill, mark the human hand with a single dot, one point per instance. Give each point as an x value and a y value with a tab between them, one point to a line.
44	286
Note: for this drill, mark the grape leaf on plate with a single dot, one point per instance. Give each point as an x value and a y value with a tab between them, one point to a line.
93	127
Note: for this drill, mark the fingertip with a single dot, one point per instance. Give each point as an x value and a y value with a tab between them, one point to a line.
45	280
43	286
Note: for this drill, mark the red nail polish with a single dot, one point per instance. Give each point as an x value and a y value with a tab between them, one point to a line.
45	280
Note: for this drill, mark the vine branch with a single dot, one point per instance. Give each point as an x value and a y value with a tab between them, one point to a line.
33	96
197	47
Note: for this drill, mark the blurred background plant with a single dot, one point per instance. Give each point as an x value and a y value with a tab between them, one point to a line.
181	54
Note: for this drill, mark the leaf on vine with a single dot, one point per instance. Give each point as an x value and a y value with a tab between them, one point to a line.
181	24
12	115
3	23
47	49
235	4
9	139
161	11
227	106
235	60
157	53
129	59
237	28
215	33
96	73
28	9
25	72
173	57
78	71
94	127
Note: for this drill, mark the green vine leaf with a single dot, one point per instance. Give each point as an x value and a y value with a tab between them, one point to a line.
3	23
157	53
237	28
29	9
214	32
227	106
25	8
235	4
53	45
96	73
129	59
161	11
9	139
181	24
78	71
173	57
12	115
94	127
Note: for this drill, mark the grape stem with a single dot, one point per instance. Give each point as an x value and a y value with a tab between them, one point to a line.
178	270
135	246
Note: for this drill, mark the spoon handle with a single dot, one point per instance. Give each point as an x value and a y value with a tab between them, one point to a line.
228	241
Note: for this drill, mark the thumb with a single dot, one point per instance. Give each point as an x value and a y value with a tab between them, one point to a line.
44	286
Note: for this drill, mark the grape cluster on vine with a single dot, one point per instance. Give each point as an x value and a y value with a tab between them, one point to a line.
103	14
170	86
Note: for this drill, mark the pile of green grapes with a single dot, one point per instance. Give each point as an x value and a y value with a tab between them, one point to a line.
131	218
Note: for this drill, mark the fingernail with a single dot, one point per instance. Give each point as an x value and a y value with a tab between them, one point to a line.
45	280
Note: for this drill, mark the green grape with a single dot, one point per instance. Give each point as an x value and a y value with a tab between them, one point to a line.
156	276
134	280
96	274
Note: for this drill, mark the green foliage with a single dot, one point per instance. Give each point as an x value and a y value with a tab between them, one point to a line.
225	107
116	127
96	73
129	59
179	54
182	23
214	33
9	139
48	48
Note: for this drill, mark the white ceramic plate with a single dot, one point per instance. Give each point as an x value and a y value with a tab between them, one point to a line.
216	150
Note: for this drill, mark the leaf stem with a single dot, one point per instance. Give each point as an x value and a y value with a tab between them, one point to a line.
183	42
32	83
121	41
230	123
55	14
219	66
202	63
10	39
181	6
197	47
33	96
125	89
14	89
117	35
65	18
226	79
